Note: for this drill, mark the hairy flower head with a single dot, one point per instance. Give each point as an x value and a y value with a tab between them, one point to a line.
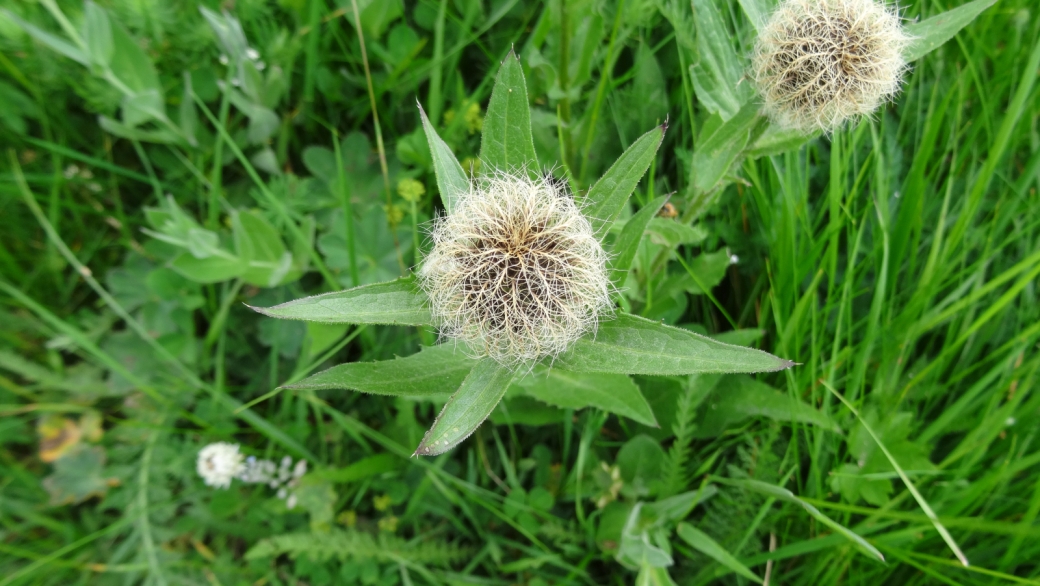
818	63
516	271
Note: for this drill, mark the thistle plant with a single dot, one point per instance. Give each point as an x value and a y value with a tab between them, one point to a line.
819	63
518	283
516	272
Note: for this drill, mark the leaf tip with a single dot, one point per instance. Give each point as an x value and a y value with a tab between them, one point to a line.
511	53
261	310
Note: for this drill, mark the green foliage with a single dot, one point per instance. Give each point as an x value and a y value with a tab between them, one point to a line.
931	33
168	166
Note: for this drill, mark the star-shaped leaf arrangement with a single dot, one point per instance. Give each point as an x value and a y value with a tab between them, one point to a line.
593	371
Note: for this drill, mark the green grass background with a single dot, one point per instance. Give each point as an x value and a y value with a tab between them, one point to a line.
897	261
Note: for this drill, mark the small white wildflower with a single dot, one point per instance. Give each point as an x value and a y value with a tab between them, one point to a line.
733	259
282	493
71	171
257	471
1009	421
516	271
284	469
223	59
300	469
290	503
218	463
252	53
260	65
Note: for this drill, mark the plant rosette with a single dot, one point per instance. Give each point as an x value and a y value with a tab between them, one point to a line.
518	283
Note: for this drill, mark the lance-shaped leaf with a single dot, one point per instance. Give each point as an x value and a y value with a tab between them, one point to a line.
718	151
633	345
467	408
931	33
717	72
506	141
614	393
396	302
451	178
627	242
783	494
608	196
433	373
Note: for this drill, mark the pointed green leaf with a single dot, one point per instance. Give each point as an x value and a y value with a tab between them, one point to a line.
468	407
709	547
738	398
614	393
451	178
608	196
161	136
627	242
506	141
758	11
633	345
212	269
671	233
783	494
650	575
432	373
131	64
97	33
776	140
932	32
717	72
397	302
718	152
260	246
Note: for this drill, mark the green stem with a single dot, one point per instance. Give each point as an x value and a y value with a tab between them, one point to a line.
564	76
601	90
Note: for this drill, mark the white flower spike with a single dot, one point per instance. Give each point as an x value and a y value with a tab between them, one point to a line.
218	463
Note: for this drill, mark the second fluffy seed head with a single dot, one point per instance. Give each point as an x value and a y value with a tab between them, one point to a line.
818	63
516	271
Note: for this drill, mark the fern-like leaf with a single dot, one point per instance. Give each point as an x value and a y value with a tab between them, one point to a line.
677	476
359	545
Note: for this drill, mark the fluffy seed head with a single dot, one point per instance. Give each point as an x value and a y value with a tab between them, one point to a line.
516	272
818	63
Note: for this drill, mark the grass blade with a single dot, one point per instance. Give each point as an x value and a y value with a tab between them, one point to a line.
709	547
783	494
906	480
